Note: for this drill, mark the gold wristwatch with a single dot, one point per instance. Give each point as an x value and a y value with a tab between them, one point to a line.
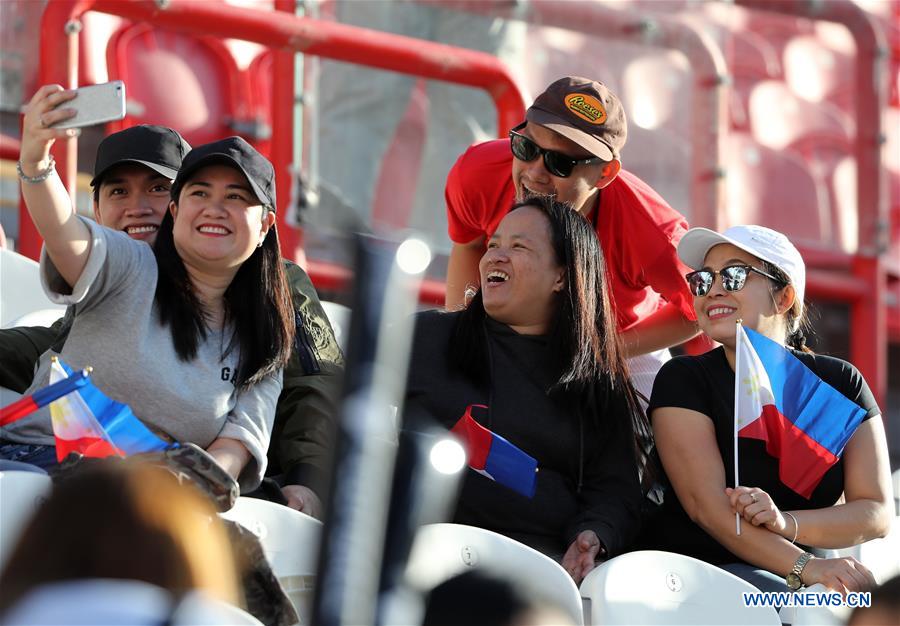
793	579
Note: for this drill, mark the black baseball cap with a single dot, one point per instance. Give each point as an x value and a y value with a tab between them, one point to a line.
158	147
586	112
238	153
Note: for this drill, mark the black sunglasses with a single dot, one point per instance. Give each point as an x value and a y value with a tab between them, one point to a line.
556	163
734	277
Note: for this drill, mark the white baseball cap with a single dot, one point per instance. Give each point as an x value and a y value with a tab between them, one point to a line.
764	243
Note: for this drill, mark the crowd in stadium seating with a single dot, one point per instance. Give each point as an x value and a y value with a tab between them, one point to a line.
566	288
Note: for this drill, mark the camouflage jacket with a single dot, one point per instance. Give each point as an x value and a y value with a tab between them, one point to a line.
306	413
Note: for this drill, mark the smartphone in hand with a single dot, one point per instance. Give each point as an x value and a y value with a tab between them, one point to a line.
96	104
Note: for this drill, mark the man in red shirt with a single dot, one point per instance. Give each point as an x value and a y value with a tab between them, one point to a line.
569	147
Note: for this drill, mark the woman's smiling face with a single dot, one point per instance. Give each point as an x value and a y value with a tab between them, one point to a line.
218	219
520	276
755	304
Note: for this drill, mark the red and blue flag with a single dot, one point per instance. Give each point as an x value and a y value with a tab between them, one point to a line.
493	456
804	421
88	422
42	397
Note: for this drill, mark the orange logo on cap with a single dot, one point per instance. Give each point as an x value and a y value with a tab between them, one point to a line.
587	108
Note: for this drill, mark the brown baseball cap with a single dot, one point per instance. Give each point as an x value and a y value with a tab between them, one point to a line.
586	112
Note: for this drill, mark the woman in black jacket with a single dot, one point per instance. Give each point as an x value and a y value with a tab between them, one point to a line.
537	348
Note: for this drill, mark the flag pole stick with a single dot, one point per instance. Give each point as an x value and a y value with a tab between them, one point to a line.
737	387
42	397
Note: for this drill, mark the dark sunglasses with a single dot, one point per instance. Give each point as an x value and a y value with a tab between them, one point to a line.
556	163
734	277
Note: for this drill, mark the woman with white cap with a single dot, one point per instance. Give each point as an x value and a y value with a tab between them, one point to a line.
756	275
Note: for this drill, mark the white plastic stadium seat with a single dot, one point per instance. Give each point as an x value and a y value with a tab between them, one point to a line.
339	316
40	317
20	288
98	602
21	493
441	551
290	541
652	587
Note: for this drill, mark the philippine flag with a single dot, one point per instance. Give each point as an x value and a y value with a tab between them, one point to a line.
88	422
493	456
804	421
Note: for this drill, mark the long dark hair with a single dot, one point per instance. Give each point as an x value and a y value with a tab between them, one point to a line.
257	303
582	335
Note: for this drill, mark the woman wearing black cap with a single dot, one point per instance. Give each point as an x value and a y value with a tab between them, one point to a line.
192	335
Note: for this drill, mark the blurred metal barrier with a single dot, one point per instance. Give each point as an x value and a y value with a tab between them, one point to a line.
862	279
709	97
280	30
859	279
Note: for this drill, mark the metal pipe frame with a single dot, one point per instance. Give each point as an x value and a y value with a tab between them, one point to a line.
865	288
289	34
708	108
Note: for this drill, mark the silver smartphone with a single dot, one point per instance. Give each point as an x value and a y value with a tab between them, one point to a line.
96	104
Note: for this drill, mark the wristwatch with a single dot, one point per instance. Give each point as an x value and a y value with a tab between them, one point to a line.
793	580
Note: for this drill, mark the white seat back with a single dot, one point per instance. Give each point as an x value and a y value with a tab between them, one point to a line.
290	541
98	602
20	288
652	587
339	316
40	317
21	493
441	551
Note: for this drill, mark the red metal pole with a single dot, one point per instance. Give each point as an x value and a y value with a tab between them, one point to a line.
59	64
868	321
831	285
299	34
335	41
709	97
868	315
283	138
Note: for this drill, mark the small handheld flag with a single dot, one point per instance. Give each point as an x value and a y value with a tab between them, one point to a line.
91	424
493	456
804	421
42	397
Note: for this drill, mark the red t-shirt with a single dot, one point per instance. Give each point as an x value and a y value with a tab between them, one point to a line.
638	231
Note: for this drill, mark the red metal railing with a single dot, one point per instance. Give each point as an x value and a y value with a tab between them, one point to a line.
864	286
287	33
709	98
